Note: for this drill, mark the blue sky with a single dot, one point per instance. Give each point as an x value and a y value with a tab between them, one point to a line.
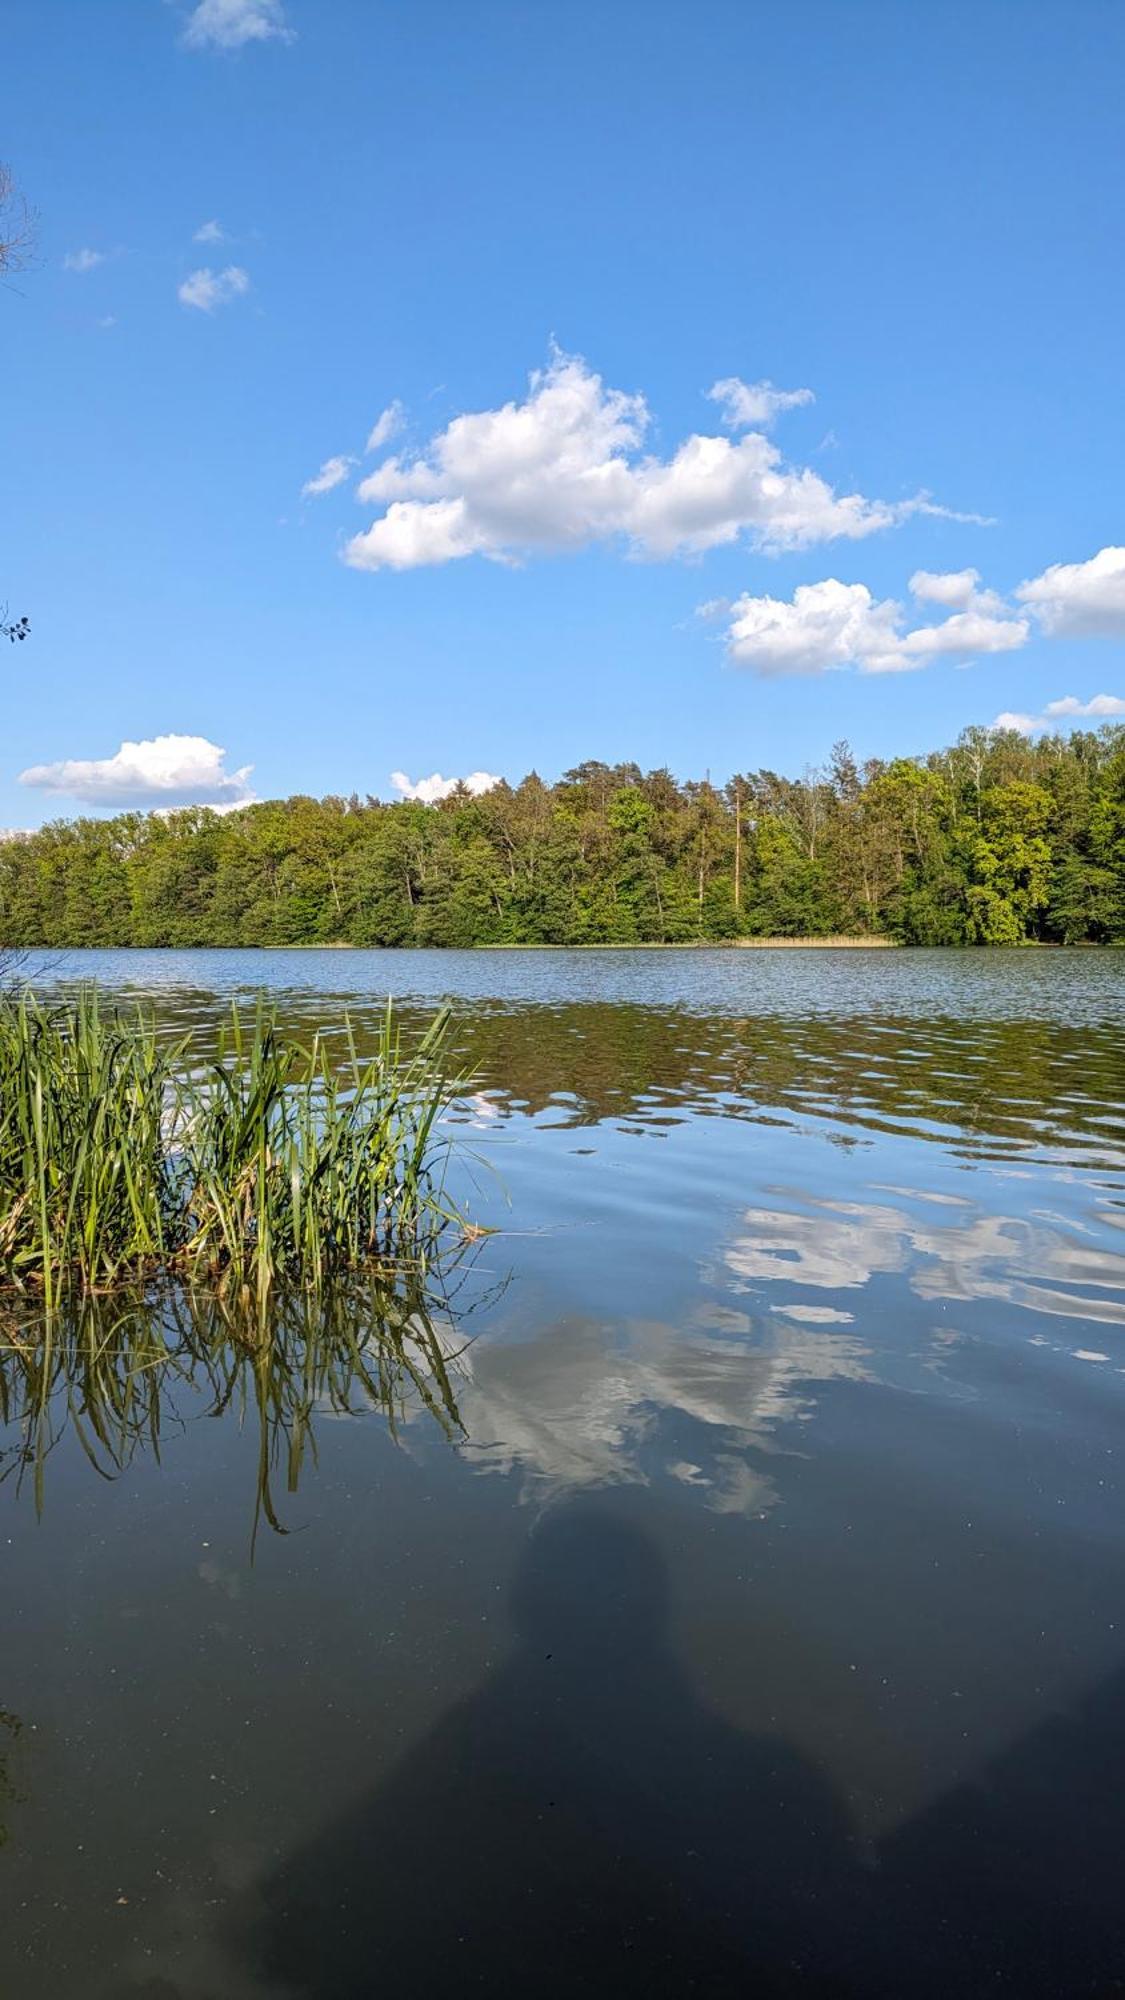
912	212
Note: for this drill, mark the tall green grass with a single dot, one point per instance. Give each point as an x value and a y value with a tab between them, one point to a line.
123	1155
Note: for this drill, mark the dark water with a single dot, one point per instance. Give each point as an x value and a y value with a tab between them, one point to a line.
746	1612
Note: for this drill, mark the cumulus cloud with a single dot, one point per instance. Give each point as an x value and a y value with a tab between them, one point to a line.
386	426
207	289
832	624
954	588
160	771
83	260
210	232
429	790
829	624
1099	708
332	473
567	467
748	403
1080	600
231	24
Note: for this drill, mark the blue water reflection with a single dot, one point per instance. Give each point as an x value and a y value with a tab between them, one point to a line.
807	1296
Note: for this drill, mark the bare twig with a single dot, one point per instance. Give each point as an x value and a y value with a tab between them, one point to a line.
18	225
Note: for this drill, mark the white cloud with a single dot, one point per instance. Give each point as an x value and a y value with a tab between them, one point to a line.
747	403
1099	708
566	468
83	260
207	289
230	24
106	321
1080	600
833	624
332	473
429	790
827	624
980	629
386	426
161	771
210	232
954	588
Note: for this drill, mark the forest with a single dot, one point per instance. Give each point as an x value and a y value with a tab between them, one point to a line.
998	840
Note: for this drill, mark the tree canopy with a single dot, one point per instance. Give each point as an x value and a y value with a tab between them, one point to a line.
998	840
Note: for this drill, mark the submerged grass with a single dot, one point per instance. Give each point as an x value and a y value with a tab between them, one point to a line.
265	1164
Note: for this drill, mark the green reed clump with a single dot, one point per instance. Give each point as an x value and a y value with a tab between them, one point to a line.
121	1154
86	1192
300	1168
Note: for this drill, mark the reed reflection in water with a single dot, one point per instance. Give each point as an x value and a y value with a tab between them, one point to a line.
118	1373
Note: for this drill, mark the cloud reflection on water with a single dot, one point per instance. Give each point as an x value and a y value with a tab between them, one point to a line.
584	1404
1022	1261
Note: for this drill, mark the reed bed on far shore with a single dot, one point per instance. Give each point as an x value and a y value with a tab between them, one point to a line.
126	1156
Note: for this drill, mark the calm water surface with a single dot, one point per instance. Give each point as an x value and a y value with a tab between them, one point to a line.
740	1605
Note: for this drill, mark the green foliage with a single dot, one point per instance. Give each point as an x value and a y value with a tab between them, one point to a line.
997	840
121	1154
1009	864
85	1178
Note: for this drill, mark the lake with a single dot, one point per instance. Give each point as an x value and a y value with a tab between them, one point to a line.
732	1599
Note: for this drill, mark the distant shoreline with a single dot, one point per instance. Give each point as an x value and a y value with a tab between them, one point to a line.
17	952
646	944
713	944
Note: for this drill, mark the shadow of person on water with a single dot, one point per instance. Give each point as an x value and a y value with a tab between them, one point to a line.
581	1823
1011	1881
584	1824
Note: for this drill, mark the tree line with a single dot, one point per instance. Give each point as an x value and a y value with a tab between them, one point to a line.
998	840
